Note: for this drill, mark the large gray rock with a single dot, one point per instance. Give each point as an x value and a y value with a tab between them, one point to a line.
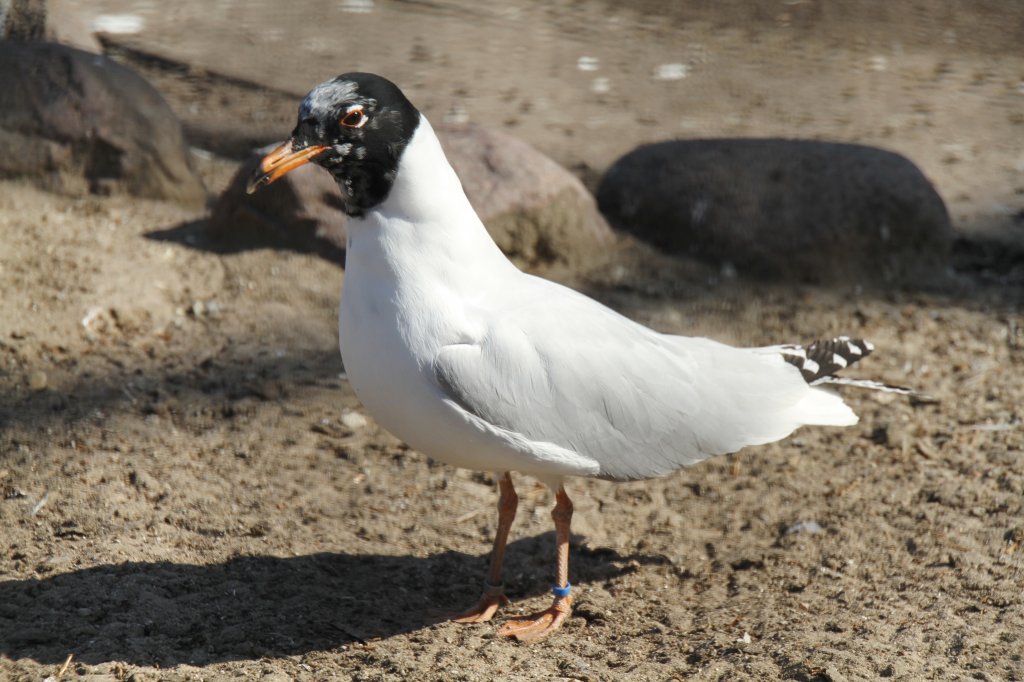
536	211
783	209
76	122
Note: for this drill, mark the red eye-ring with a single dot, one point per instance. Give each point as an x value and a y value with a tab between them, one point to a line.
353	119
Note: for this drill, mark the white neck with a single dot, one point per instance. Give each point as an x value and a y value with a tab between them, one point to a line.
425	184
426	221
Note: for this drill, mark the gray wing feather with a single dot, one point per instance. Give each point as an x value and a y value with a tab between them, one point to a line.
639	403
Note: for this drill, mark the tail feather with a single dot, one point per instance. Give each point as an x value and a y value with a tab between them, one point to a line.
819	362
822	359
864	383
822	407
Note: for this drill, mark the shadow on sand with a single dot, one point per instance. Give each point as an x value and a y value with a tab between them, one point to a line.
300	237
165	613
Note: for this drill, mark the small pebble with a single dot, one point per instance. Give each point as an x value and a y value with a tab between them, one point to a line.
671	72
91	316
38	380
117	23
457	115
357	6
601	86
354	420
804	527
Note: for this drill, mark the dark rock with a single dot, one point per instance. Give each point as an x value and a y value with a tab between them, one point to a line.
783	209
537	212
75	122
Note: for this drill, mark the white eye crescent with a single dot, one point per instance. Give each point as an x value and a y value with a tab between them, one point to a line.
355	117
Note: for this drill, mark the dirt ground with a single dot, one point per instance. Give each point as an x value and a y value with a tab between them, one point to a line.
191	491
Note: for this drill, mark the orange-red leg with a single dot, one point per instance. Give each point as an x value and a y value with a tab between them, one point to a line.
494	591
542	624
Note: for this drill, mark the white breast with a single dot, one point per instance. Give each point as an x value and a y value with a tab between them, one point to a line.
417	267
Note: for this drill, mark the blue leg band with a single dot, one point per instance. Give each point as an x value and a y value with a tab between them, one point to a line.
562	591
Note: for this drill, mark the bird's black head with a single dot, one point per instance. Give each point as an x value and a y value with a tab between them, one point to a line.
356	126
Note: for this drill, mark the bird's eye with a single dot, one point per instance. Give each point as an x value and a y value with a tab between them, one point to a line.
355	118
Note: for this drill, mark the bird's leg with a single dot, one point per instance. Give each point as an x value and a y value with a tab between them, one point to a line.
494	590
544	623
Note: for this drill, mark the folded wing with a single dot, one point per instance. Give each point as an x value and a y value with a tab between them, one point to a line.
641	404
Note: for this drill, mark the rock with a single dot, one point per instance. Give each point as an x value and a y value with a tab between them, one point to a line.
811	527
354	420
73	122
301	211
537	212
796	210
38	380
833	674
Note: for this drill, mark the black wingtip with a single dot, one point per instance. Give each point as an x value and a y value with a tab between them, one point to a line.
823	358
819	363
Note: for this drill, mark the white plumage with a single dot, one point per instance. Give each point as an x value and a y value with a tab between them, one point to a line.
477	364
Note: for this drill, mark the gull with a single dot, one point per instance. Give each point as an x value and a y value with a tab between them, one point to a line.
469	360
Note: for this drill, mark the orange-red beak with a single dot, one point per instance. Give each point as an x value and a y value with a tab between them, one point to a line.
280	161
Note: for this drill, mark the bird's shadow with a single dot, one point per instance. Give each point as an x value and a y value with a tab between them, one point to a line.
163	613
300	237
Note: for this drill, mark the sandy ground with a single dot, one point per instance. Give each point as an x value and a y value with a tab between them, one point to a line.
190	490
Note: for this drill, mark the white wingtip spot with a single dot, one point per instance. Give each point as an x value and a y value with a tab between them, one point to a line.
838	359
852	348
811	366
870	346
